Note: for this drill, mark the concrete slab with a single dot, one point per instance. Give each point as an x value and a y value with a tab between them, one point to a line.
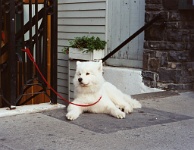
39	131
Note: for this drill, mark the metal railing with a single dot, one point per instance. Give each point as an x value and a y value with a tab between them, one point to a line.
27	24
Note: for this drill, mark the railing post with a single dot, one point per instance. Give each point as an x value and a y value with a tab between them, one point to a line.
12	65
54	38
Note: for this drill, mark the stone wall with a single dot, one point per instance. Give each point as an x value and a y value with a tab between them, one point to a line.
169	46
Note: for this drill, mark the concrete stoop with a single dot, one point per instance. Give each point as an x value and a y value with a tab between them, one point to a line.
128	80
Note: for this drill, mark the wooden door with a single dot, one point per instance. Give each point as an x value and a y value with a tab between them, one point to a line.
125	17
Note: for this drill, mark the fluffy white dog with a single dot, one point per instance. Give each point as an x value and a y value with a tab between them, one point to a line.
90	86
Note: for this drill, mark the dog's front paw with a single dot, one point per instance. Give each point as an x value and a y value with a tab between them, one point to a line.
128	109
119	114
72	115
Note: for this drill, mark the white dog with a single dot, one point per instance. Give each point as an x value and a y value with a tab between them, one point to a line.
90	86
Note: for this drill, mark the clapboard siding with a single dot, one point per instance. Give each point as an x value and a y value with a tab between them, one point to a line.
61	82
83	21
62	62
83	14
61	55
62	90
81	29
82	6
79	1
76	18
67	36
63	41
72	67
62	69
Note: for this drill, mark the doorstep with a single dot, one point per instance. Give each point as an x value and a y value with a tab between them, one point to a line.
24	109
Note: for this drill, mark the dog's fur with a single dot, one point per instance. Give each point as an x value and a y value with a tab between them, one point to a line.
89	85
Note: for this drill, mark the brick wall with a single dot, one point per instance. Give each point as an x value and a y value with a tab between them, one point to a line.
169	46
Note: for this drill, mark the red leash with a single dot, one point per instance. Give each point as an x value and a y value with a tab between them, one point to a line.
37	68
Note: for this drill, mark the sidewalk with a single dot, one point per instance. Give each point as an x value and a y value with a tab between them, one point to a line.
166	122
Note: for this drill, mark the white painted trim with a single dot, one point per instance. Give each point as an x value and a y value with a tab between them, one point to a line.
106	27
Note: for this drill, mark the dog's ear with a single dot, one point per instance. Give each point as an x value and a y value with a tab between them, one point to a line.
100	66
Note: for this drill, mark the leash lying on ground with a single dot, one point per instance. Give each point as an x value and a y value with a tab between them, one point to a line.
49	86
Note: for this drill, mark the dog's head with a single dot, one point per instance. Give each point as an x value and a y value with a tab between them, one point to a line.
88	74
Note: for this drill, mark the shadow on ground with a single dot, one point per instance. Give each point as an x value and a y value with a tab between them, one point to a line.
102	123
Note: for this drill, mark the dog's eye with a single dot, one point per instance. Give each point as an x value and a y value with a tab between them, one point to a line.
87	73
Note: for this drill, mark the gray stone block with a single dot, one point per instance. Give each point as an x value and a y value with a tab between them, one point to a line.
179	56
167	75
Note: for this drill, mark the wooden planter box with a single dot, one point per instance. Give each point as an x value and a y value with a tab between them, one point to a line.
75	53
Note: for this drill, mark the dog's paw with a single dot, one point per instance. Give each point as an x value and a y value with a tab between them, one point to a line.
72	115
119	114
128	109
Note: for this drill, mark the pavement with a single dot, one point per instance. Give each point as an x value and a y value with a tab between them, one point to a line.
166	122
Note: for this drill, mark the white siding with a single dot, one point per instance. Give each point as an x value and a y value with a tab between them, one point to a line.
72	67
77	18
62	76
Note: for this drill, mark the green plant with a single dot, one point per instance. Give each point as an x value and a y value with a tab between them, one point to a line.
86	44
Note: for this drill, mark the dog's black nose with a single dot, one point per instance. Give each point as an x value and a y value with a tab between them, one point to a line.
80	79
